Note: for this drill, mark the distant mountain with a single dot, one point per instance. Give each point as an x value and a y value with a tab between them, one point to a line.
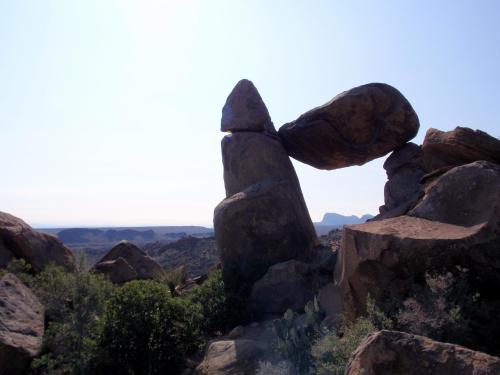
332	220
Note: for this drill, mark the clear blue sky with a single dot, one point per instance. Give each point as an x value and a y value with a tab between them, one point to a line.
110	110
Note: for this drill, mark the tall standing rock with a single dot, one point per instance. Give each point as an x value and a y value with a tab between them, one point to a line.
355	127
264	218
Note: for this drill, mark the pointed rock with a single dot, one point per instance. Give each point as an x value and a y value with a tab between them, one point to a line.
245	111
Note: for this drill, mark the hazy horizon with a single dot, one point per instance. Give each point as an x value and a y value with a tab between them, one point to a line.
110	110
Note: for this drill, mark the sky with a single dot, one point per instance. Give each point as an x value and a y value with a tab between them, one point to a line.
110	110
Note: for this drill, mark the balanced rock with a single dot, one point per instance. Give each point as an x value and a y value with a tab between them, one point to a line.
264	218
21	326
392	352
355	127
457	147
19	240
143	265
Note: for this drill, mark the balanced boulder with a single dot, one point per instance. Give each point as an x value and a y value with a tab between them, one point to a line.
19	240
125	262
392	352
21	326
356	126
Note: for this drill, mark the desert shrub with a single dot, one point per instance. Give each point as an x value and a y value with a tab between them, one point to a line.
174	277
332	351
147	331
74	304
220	309
20	268
294	336
279	368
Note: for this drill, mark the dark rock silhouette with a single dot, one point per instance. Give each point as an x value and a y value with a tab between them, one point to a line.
356	126
264	218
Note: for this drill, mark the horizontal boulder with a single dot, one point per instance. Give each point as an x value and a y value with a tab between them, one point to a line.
117	270
19	240
21	326
356	126
392	352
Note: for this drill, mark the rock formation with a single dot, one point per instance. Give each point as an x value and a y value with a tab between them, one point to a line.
264	218
411	168
19	240
356	126
21	326
392	352
125	262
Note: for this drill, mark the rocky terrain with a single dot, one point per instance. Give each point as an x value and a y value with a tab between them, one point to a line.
413	290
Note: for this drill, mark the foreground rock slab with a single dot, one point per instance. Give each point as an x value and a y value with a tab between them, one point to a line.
356	126
19	240
21	326
392	352
125	262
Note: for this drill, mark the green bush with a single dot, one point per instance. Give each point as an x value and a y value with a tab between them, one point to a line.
74	304
331	353
147	331
221	310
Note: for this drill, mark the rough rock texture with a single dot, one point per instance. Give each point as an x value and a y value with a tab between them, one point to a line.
144	266
457	147
239	356
466	195
19	240
245	110
21	326
264	218
404	169
118	270
385	257
286	285
355	127
412	169
392	352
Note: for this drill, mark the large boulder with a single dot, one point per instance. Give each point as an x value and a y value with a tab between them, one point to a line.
355	127
286	285
132	257
118	270
264	218
21	326
457	147
411	169
392	352
19	240
466	195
